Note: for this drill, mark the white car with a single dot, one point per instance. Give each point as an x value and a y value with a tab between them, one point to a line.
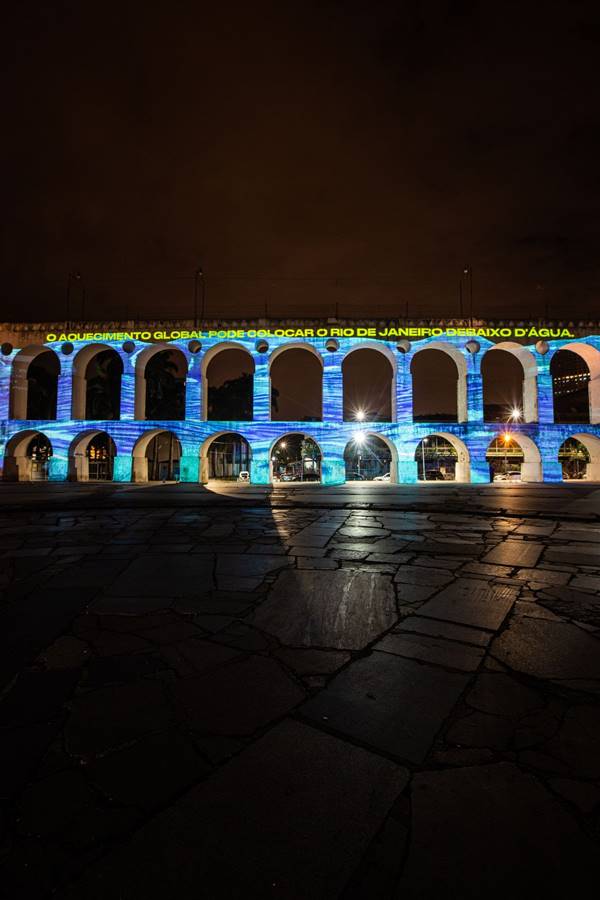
385	477
244	476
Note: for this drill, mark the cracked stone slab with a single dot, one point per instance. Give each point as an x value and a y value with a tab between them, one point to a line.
393	704
345	609
237	698
524	554
572	604
447	630
422	576
470	602
287	841
548	649
502	695
460	814
166	576
432	650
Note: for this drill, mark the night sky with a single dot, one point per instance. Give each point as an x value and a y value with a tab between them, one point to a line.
306	155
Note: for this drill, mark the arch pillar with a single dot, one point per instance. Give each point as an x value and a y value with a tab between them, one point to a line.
123	467
193	389
260	464
403	389
128	388
261	388
64	399
545	399
471	393
189	463
58	468
333	468
333	387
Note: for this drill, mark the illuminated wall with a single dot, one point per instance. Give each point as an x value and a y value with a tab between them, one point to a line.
540	439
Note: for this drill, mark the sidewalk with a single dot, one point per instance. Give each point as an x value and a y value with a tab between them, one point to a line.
253	696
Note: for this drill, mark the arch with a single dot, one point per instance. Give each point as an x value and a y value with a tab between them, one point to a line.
300	398
392	467
461	368
19	465
531	465
207	359
368	404
295	468
19	383
236	464
141	362
83	406
145	469
528	402
79	457
591	442
591	357
462	471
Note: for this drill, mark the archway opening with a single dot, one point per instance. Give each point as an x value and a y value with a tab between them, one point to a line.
367	458
434	386
502	378
228	457
575	459
100	454
103	386
163	454
505	458
27	457
296	386
295	458
436	459
42	386
230	386
570	387
368	379
165	375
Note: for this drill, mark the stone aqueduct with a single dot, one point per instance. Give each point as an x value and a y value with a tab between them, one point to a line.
537	434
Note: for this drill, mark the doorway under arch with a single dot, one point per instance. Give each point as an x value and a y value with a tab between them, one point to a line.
513	456
368	384
369	457
439	384
228	377
295	457
34	384
156	456
579	456
296	374
91	457
27	457
442	456
224	456
97	373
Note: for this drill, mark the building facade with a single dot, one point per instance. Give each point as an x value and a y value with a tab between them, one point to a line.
133	438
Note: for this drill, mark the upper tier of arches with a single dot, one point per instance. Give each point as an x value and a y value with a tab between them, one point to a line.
368	381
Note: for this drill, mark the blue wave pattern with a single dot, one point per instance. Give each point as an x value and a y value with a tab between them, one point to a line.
540	440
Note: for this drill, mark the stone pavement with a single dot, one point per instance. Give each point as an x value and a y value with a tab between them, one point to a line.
273	698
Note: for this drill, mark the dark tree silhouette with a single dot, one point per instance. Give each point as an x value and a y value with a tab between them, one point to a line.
165	388
232	400
103	386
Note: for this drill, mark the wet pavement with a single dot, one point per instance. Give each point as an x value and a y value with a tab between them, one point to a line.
316	693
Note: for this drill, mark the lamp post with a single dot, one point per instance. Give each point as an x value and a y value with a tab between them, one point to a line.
423	442
73	276
198	274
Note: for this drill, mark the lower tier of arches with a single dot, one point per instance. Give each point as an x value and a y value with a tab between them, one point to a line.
297	451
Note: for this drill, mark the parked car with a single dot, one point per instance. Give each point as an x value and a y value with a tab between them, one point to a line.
385	477
355	476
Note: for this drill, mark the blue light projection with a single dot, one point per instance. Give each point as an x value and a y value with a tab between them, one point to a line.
540	438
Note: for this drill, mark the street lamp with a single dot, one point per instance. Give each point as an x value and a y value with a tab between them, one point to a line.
198	274
423	442
360	415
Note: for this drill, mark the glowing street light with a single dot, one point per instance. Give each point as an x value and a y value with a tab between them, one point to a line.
359	437
360	415
515	414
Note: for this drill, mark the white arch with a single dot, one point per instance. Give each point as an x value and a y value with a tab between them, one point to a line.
140	448
79	469
391	358
18	378
530	371
391	447
17	465
80	364
461	366
591	356
280	437
208	357
462	470
592	444
205	447
141	362
531	467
